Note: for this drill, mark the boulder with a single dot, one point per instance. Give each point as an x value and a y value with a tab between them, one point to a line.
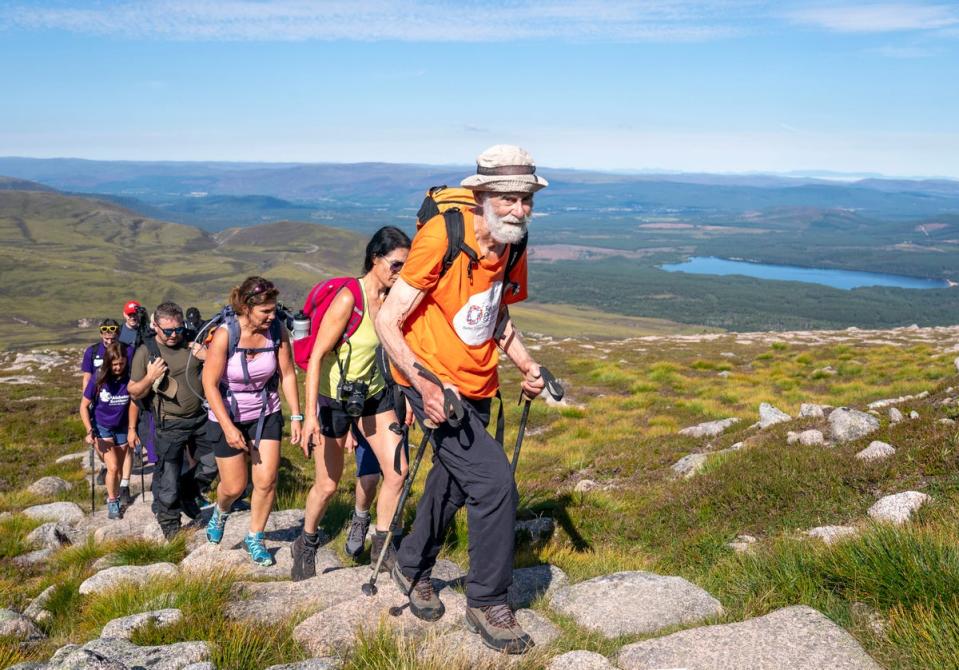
770	416
532	583
19	627
913	414
52	535
812	438
793	638
461	647
272	601
947	422
78	456
792	437
584	485
67	512
809	410
956	363
128	574
36	610
690	465
709	428
895	416
831	534
580	660
49	487
847	425
898	508
32	557
120	654
125	627
876	451
742	543
629	603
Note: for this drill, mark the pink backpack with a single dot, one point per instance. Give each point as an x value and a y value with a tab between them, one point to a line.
317	302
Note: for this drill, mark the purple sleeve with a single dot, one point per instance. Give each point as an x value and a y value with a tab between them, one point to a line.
87	364
90	392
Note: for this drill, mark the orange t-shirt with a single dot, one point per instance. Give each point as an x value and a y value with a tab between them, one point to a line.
451	330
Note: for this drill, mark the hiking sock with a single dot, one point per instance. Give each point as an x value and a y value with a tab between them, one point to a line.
312	539
124	482
361	513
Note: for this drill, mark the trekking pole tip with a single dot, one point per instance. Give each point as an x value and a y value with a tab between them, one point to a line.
369	589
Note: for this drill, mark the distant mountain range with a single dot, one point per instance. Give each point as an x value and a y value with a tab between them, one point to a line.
363	196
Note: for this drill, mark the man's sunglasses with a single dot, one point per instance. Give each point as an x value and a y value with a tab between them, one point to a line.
169	332
396	266
108	330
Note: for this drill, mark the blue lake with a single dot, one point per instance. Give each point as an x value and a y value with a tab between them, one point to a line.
842	279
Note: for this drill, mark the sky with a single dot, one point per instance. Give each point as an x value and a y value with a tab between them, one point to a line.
713	86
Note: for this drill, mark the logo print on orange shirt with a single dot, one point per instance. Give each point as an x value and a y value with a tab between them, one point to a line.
476	320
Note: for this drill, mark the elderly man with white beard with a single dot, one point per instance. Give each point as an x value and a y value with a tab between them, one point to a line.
452	324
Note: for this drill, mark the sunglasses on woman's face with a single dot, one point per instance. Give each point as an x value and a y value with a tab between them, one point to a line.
170	332
396	266
108	330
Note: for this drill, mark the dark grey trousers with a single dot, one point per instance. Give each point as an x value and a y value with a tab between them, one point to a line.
469	468
171	483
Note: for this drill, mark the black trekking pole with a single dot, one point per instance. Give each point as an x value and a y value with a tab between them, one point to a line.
93	480
454	412
554	389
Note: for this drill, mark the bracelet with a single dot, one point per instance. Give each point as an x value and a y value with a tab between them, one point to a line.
296	417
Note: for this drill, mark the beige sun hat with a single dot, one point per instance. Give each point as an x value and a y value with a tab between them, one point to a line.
505	168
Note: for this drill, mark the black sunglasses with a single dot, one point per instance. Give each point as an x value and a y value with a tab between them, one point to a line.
179	330
396	266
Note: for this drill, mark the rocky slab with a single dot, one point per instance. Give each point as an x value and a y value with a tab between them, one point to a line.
794	638
335	629
126	574
120	654
319	663
19	627
898	508
125	627
628	603
580	660
770	416
282	528
67	512
690	465
52	535
213	558
831	534
847	425
468	648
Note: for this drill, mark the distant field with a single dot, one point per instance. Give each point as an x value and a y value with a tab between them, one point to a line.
574	321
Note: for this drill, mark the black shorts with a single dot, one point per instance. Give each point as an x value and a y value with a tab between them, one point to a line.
334	421
272	430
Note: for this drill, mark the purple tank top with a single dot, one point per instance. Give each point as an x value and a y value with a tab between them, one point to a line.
260	368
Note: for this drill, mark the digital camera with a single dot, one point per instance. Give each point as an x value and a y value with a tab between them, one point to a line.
352	394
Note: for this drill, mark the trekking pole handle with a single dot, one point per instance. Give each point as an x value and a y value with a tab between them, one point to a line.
553	387
452	405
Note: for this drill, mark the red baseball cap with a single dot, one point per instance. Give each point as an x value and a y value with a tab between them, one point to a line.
130	308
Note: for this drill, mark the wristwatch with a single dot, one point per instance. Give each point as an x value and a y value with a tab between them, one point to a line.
296	417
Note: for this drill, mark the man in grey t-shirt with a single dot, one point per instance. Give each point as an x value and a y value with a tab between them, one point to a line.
159	376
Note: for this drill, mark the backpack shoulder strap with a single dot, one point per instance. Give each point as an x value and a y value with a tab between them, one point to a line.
359	303
456	241
152	346
516	252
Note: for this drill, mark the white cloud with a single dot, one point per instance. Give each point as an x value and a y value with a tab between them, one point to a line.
877	17
426	20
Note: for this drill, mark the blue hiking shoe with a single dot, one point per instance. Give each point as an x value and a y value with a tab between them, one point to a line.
257	550
214	529
113	509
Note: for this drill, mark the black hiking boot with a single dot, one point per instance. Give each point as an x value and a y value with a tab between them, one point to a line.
125	498
424	603
356	535
379	537
170	529
498	627
304	557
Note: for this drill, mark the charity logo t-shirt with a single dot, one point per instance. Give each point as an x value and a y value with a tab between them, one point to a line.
93	357
110	404
451	331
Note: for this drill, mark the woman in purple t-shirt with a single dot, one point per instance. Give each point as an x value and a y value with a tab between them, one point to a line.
245	418
109	426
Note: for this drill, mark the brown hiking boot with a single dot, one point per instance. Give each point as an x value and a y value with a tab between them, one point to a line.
379	537
498	627
424	603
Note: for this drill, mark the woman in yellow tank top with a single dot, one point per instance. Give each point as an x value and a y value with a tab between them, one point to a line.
345	390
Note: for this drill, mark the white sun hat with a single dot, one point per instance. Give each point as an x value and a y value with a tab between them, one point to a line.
505	168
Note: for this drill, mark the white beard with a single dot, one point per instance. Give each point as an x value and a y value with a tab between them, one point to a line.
505	229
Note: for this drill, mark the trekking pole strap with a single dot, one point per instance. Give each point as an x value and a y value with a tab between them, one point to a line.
452	406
